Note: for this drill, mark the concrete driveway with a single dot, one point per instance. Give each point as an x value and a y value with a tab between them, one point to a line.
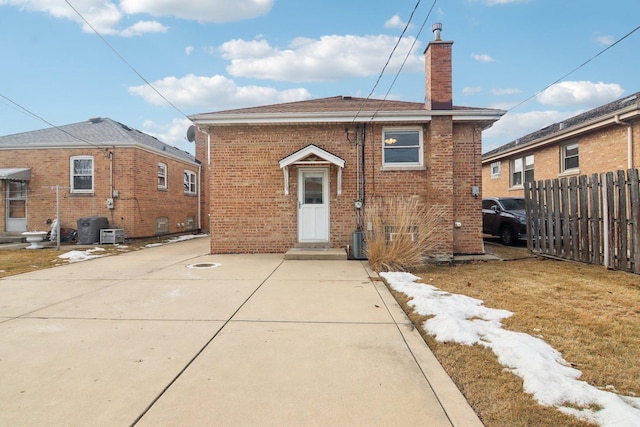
172	336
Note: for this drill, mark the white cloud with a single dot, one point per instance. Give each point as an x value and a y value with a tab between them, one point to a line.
395	22
107	16
582	93
482	57
217	11
143	27
188	50
214	93
516	125
472	90
605	40
173	133
238	49
328	58
505	91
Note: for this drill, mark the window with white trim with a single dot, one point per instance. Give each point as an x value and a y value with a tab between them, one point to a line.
570	157
522	170
162	176
190	182
81	173
496	169
402	147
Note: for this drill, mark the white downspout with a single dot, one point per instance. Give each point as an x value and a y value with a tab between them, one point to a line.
629	140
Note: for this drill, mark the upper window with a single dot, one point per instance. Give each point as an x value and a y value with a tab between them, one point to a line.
190	182
402	147
81	174
521	170
496	169
162	176
570	157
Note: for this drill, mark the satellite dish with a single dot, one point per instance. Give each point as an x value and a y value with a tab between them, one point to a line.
191	133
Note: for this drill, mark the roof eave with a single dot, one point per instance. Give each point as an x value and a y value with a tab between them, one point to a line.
569	132
343	117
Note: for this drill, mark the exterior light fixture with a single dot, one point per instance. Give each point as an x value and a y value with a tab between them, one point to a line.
390	141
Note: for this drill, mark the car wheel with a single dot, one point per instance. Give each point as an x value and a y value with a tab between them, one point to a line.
506	235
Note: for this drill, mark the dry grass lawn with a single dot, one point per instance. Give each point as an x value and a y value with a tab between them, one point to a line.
16	261
589	314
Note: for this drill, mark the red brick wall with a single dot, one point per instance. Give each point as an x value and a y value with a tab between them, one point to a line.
604	150
438	69
249	211
467	166
134	176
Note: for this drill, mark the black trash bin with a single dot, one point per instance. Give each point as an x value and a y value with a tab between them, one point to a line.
89	229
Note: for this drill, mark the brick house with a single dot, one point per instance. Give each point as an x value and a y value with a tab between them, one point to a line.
604	139
97	168
301	173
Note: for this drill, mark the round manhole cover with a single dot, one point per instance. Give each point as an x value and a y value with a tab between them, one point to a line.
204	265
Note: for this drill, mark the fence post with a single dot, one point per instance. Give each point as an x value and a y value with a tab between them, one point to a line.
622	237
595	219
635	219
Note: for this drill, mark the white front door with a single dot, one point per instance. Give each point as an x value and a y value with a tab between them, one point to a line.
16	206
313	205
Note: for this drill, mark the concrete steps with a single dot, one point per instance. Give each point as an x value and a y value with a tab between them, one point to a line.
316	253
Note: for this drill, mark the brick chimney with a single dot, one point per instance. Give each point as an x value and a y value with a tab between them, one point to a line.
438	95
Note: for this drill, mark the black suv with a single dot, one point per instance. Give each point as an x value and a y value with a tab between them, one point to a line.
504	217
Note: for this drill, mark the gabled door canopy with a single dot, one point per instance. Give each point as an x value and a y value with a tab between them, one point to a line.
298	158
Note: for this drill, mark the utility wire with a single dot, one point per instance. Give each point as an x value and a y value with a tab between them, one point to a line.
406	27
415	40
124	60
34	115
575	69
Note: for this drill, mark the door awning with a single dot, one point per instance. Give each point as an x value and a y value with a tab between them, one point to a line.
15	174
311	155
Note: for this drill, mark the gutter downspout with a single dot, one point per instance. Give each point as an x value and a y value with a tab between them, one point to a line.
629	140
201	129
199	192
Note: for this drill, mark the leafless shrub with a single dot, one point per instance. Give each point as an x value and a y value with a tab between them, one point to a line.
399	232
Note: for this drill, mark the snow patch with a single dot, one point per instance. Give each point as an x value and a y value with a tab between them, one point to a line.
547	376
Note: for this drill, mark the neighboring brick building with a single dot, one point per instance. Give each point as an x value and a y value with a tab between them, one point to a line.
297	173
100	168
604	139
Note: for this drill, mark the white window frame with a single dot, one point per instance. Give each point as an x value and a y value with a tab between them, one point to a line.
496	169
72	175
526	163
190	186
420	147
162	176
564	157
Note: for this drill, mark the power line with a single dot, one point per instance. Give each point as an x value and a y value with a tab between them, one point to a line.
124	60
575	69
393	82
34	115
406	27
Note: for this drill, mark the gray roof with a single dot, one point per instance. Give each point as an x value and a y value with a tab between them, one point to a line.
98	132
572	122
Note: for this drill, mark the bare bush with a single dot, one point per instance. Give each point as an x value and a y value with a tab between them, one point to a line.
399	232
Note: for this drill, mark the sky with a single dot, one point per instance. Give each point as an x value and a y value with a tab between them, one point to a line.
546	375
149	63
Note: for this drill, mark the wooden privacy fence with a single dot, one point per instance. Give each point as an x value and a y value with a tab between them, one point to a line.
593	219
